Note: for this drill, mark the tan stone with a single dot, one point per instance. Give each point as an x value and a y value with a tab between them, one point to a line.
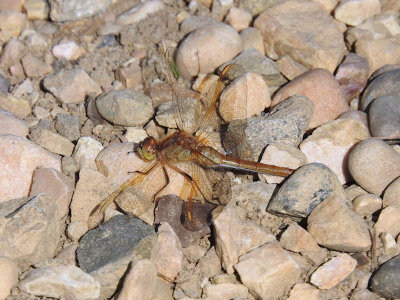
130	76
354	12
11	5
19	158
56	281
329	5
35	67
11	25
367	204
9	276
168	260
303	30
235	236
268	271
379	52
297	239
303	291
245	97
86	151
322	89
10	124
238	18
19	107
140	283
335	226
225	291
37	9
209	264
391	197
252	38
290	68
53	142
54	184
334	271
330	144
68	50
388	221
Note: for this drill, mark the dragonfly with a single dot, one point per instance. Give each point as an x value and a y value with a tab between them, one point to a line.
187	152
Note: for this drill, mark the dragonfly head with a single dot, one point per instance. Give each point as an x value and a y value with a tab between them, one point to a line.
147	149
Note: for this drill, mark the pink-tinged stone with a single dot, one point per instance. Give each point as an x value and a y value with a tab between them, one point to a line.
303	30
268	271
238	18
10	124
330	144
302	291
67	51
297	239
54	184
322	89
206	48
334	271
169	256
19	157
352	75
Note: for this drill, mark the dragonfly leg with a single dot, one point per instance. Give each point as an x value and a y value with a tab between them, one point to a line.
156	198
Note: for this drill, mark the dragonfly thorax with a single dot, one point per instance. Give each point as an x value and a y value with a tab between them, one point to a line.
147	149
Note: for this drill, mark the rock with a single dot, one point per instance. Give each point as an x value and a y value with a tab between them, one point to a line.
9	276
55	185
130	76
69	166
352	75
40	113
135	134
268	271
374	165
12	53
353	191
165	115
381	85
290	68
106	251
354	12
356	115
11	24
327	97
367	204
391	196
206	48
335	226
169	209
252	38
235	237
20	158
330	144
364	294
384	116
140	12
37	9
4	85
169	257
297	239
61	10
245	97
225	291
67	51
52	141
384	280
11	6
209	264
10	124
379	52
86	151
141	282
34	67
302	191
253	61
90	190
32	233
315	41
189	284
19	107
334	271
56	281
304	291
238	18
68	126
284	156
71	86
388	221
125	107
285	124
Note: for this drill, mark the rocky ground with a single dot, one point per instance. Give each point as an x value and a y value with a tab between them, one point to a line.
82	82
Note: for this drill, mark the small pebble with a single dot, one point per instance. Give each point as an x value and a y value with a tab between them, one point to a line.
388	221
68	126
194	52
9	276
334	271
125	107
384	116
238	18
37	9
337	227
86	151
297	239
304	291
367	204
384	281
4	85
34	67
327	97
252	38
290	68
67	51
354	12
374	165
303	190
18	106
10	124
225	291
52	141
